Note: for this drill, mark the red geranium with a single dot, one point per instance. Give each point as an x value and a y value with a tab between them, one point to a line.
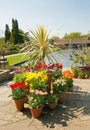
18	85
41	65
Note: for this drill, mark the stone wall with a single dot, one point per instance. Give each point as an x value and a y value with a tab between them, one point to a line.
4	75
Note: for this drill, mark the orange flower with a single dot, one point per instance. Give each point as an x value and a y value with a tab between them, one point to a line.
68	74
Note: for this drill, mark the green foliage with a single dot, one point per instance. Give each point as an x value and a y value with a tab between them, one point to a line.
15	31
80	57
69	82
57	74
54	39
35	100
81	72
4	49
18	93
7	33
19	77
17	35
72	35
52	98
21	36
75	71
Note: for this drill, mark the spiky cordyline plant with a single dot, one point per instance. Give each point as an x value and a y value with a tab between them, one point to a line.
41	47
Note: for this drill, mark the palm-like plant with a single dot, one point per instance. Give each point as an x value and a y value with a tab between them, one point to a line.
41	47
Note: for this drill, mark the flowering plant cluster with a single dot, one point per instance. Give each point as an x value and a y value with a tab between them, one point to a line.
43	65
35	100
68	74
18	85
58	65
60	85
22	70
18	90
36	80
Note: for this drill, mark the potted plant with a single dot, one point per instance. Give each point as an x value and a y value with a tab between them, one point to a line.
52	100
18	94
59	88
36	103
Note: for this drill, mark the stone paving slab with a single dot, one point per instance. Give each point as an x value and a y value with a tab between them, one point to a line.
74	114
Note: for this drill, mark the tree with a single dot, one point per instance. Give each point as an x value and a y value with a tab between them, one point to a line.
17	34
54	39
72	35
21	36
3	48
15	31
7	33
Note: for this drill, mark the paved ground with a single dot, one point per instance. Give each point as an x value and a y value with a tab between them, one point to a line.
73	115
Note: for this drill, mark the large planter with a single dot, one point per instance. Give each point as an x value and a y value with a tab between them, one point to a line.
62	96
19	103
36	112
50	73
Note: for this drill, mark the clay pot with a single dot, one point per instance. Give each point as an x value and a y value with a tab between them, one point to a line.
52	106
62	96
19	103
36	112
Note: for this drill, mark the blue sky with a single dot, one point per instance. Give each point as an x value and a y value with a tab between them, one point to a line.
59	16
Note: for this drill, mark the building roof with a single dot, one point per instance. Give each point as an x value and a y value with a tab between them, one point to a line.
75	41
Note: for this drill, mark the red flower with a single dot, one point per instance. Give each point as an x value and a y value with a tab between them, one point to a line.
41	65
18	85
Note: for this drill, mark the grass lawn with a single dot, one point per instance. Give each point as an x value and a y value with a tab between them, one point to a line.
17	58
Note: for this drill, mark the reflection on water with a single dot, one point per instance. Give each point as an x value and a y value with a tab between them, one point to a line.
63	57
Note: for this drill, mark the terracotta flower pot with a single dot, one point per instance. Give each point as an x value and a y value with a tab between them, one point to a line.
62	96
36	112
52	106
19	103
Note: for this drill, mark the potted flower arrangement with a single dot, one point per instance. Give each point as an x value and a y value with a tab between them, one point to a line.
18	94
52	100
36	103
60	87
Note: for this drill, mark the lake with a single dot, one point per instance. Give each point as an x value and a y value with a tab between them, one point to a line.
63	57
